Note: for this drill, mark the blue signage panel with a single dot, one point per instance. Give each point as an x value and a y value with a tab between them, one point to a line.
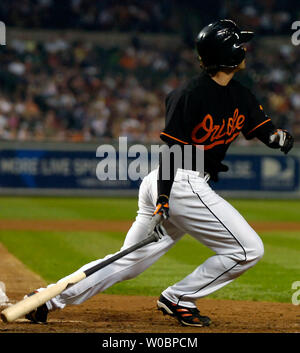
47	169
260	172
54	169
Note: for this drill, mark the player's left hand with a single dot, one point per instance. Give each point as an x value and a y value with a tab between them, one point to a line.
282	139
162	206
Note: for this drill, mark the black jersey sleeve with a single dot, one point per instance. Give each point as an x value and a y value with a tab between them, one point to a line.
176	129
257	124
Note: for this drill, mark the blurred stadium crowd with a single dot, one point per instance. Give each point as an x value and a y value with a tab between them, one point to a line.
64	90
266	16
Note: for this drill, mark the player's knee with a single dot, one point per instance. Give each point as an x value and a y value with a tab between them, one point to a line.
249	254
255	252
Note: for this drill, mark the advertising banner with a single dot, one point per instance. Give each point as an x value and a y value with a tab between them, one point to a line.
76	170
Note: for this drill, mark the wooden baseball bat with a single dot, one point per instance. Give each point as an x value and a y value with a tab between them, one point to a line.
30	303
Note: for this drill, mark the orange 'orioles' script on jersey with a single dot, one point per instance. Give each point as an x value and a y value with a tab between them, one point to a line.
215	134
202	112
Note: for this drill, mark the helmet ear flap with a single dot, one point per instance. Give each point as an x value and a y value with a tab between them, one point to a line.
210	69
238	55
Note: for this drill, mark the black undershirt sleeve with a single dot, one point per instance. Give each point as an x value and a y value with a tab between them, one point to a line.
164	186
174	133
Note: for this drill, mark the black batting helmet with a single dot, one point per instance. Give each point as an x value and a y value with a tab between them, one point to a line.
220	45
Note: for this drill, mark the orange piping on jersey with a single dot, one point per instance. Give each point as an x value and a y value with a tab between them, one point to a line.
258	126
174	138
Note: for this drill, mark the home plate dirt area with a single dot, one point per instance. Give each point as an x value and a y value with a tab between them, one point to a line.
133	314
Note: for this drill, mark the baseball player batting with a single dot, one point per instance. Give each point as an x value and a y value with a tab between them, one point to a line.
211	110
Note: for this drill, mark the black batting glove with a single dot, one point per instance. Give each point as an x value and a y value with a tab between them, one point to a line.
162	206
281	139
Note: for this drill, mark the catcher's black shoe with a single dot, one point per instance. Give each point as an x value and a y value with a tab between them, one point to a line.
39	315
186	316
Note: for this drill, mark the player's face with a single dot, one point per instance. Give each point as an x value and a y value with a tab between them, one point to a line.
242	65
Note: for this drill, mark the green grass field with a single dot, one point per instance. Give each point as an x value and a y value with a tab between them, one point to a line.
54	254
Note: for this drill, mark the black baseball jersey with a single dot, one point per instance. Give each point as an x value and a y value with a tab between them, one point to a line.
202	112
205	113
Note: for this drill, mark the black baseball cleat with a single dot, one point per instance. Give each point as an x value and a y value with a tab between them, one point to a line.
186	316
39	315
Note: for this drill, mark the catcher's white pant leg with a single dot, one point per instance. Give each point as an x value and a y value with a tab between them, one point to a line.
199	211
130	265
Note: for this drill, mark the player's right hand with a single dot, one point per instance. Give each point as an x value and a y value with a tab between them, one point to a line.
282	139
162	206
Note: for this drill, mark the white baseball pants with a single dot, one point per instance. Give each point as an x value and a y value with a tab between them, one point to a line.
194	209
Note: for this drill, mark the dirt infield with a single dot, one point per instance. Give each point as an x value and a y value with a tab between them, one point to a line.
131	314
